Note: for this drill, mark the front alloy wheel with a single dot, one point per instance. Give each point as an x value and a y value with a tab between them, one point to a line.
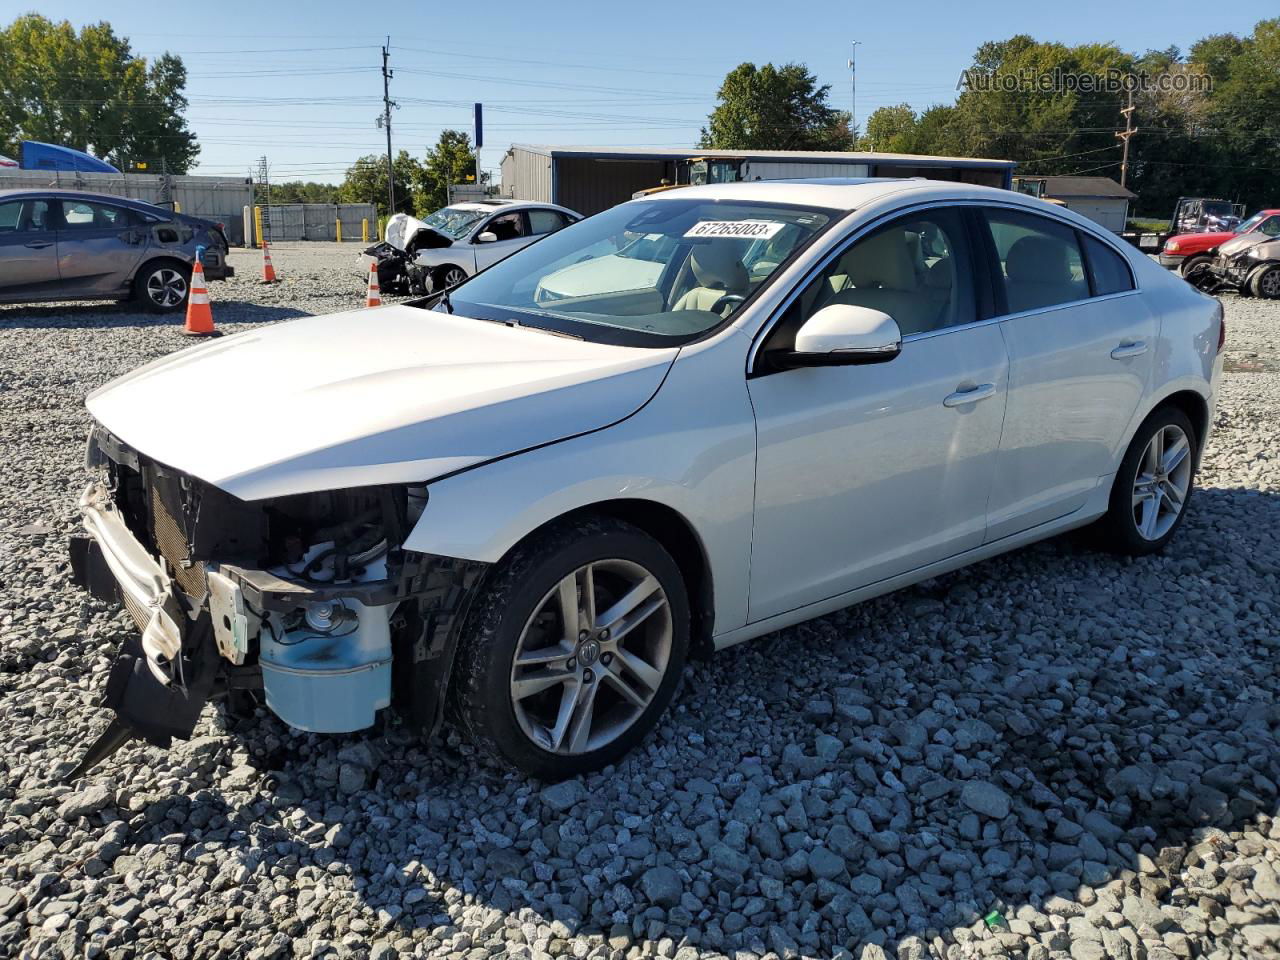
451	277
574	648
592	657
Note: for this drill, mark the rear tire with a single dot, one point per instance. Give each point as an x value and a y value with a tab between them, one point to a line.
1153	486
162	286
574	649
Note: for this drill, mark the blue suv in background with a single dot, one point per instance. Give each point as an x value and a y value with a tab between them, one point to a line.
68	245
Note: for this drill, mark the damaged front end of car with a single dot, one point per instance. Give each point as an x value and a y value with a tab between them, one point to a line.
308	601
1238	267
405	237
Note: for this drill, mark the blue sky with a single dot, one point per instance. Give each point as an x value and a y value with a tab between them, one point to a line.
301	83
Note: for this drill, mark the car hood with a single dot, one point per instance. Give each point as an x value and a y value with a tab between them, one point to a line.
395	394
1242	242
1202	240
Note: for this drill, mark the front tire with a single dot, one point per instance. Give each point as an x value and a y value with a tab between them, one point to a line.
574	650
1152	487
1193	264
1266	283
450	276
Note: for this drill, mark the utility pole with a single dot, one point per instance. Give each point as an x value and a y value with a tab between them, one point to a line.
853	88
387	104
1126	135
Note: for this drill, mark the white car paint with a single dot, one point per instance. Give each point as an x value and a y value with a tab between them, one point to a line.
397	394
806	490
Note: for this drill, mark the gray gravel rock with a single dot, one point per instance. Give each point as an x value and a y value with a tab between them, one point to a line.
1084	747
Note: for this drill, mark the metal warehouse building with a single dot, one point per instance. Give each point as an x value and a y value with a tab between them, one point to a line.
591	179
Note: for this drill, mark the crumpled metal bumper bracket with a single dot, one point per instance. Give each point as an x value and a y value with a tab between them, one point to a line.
140	578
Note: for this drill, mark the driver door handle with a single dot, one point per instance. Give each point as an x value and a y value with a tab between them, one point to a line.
969	395
1129	348
40	244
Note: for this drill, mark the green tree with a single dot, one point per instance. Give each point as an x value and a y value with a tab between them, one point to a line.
775	108
88	90
366	182
890	130
450	161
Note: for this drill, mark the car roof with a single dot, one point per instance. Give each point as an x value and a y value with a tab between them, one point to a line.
504	203
854	193
61	193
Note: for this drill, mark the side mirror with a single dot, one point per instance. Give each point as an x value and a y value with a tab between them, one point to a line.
843	334
486	236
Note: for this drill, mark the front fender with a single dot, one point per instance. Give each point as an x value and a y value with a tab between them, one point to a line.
691	449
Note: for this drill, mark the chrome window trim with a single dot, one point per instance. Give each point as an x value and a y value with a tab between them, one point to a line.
843	245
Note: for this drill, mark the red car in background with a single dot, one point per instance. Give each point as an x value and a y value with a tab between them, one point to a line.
1186	251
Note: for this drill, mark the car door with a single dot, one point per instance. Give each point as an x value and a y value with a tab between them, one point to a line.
99	246
512	233
28	248
866	472
1081	347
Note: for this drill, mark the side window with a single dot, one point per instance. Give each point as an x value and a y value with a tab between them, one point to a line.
916	269
1109	271
79	215
1039	260
1270	226
509	226
24	216
545	221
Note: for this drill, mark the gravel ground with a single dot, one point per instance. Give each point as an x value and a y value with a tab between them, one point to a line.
1052	754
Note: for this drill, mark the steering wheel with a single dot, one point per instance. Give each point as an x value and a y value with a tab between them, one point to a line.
724	301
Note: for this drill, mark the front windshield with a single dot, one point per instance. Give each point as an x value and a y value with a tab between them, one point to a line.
654	271
1252	223
455	222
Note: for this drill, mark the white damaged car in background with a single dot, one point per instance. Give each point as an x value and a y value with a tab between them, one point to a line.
442	250
525	501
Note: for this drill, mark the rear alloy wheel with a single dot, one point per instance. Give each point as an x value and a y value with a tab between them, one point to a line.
574	650
1266	283
1151	489
163	288
450	277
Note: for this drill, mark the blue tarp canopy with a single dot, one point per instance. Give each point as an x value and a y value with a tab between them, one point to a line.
48	156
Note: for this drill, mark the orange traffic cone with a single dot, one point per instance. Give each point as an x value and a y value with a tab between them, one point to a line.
199	316
268	271
374	297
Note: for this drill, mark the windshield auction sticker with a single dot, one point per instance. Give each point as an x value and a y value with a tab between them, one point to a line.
745	229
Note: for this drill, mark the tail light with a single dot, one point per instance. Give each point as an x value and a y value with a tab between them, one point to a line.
1222	327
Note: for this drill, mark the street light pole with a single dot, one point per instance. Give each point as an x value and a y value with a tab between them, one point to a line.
386	122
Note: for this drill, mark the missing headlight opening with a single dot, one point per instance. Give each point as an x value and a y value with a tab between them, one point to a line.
308	603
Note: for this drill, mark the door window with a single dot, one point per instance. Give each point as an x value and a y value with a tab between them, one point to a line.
1107	268
1040	261
81	215
545	221
24	216
915	269
509	226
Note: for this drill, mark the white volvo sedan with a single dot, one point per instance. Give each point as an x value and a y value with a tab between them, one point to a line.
521	505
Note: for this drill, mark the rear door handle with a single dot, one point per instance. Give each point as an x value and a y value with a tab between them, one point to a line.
40	244
1130	348
969	395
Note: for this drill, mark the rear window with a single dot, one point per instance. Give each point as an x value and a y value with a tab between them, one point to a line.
1107	268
